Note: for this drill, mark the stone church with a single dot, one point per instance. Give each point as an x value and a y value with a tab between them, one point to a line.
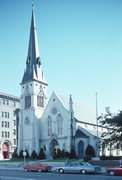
52	123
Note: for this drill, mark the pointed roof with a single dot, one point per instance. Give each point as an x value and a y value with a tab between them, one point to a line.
82	112
81	134
71	104
33	64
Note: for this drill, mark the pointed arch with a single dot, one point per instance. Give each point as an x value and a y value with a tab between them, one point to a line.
6	146
81	149
41	97
54	147
59	124
90	151
40	100
27	101
49	125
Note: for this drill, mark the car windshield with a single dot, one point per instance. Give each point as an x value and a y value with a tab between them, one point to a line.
87	164
34	164
42	163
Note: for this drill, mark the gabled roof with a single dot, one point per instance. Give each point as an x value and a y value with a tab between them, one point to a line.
80	134
81	112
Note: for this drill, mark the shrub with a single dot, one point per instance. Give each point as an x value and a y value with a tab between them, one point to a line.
21	154
72	154
66	154
90	151
41	154
14	154
34	155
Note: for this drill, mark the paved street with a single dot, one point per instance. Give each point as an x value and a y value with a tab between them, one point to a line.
6	174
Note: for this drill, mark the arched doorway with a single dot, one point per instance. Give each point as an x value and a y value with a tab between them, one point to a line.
90	151
5	150
81	150
54	147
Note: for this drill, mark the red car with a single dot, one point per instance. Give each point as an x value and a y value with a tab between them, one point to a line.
114	171
37	166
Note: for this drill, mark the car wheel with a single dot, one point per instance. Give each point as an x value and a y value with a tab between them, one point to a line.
39	170
83	171
61	171
111	173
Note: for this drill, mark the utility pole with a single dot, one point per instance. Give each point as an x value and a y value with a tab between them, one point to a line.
97	146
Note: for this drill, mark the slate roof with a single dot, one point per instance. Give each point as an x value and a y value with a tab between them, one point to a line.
81	112
33	63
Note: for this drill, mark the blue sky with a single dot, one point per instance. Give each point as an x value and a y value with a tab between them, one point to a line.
80	44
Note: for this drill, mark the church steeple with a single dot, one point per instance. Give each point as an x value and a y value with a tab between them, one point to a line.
33	96
33	64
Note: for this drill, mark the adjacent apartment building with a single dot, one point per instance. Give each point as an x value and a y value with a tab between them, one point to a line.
9	106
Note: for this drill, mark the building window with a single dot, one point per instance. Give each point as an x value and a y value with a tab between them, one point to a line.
49	126
14	104
27	101
5	114
8	134
2	134
59	124
14	122
5	134
14	113
2	114
7	102
3	101
40	101
5	124
14	132
2	124
14	141
8	124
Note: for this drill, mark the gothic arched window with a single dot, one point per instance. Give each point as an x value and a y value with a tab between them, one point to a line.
49	121
59	125
27	101
40	101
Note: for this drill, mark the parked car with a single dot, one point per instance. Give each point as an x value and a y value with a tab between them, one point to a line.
112	171
78	167
37	166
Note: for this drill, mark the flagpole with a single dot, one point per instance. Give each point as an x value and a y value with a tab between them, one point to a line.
97	147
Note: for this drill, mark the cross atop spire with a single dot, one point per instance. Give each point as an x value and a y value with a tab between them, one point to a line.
33	64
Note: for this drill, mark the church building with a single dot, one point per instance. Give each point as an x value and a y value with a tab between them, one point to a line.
54	123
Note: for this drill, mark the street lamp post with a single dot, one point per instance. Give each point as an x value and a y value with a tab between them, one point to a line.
24	154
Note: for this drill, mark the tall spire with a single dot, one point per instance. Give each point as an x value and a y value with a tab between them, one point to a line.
33	64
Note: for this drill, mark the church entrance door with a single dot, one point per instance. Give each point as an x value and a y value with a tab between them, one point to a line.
81	149
54	147
5	150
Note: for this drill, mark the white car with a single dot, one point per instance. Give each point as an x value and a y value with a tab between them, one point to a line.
78	167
